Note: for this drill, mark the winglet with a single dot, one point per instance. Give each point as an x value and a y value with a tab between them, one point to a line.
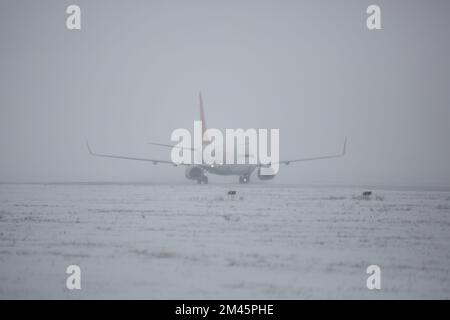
88	146
344	149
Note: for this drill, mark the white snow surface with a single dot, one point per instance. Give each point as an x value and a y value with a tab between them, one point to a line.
195	242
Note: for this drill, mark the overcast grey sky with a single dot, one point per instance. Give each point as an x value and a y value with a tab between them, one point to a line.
309	68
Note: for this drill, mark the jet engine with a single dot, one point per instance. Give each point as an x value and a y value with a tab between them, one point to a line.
194	173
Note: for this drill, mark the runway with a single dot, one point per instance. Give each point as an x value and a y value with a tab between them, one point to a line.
196	242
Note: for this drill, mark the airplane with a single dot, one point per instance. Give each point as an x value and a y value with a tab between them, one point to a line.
198	172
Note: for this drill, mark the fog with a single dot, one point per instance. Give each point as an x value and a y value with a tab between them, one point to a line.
132	75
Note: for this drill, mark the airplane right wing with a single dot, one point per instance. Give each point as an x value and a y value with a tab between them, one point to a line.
287	162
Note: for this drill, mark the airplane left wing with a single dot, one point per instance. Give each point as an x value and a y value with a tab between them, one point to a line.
155	161
169	146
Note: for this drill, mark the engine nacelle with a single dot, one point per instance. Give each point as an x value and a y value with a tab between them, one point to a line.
194	173
265	177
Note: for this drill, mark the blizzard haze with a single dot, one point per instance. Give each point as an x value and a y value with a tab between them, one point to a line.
309	68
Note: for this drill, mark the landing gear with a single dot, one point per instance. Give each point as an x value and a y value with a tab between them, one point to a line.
244	179
203	179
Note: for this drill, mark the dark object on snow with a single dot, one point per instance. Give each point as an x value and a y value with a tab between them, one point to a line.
367	194
231	194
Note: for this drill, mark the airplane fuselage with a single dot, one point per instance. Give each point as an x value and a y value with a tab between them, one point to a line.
231	169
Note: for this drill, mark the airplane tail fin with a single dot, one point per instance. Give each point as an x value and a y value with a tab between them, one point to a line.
202	114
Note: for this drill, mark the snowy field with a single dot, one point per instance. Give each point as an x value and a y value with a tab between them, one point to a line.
193	241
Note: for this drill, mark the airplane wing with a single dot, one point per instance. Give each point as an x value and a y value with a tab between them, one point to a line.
169	146
287	162
155	161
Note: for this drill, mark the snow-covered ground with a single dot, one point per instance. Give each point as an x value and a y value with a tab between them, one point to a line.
193	241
